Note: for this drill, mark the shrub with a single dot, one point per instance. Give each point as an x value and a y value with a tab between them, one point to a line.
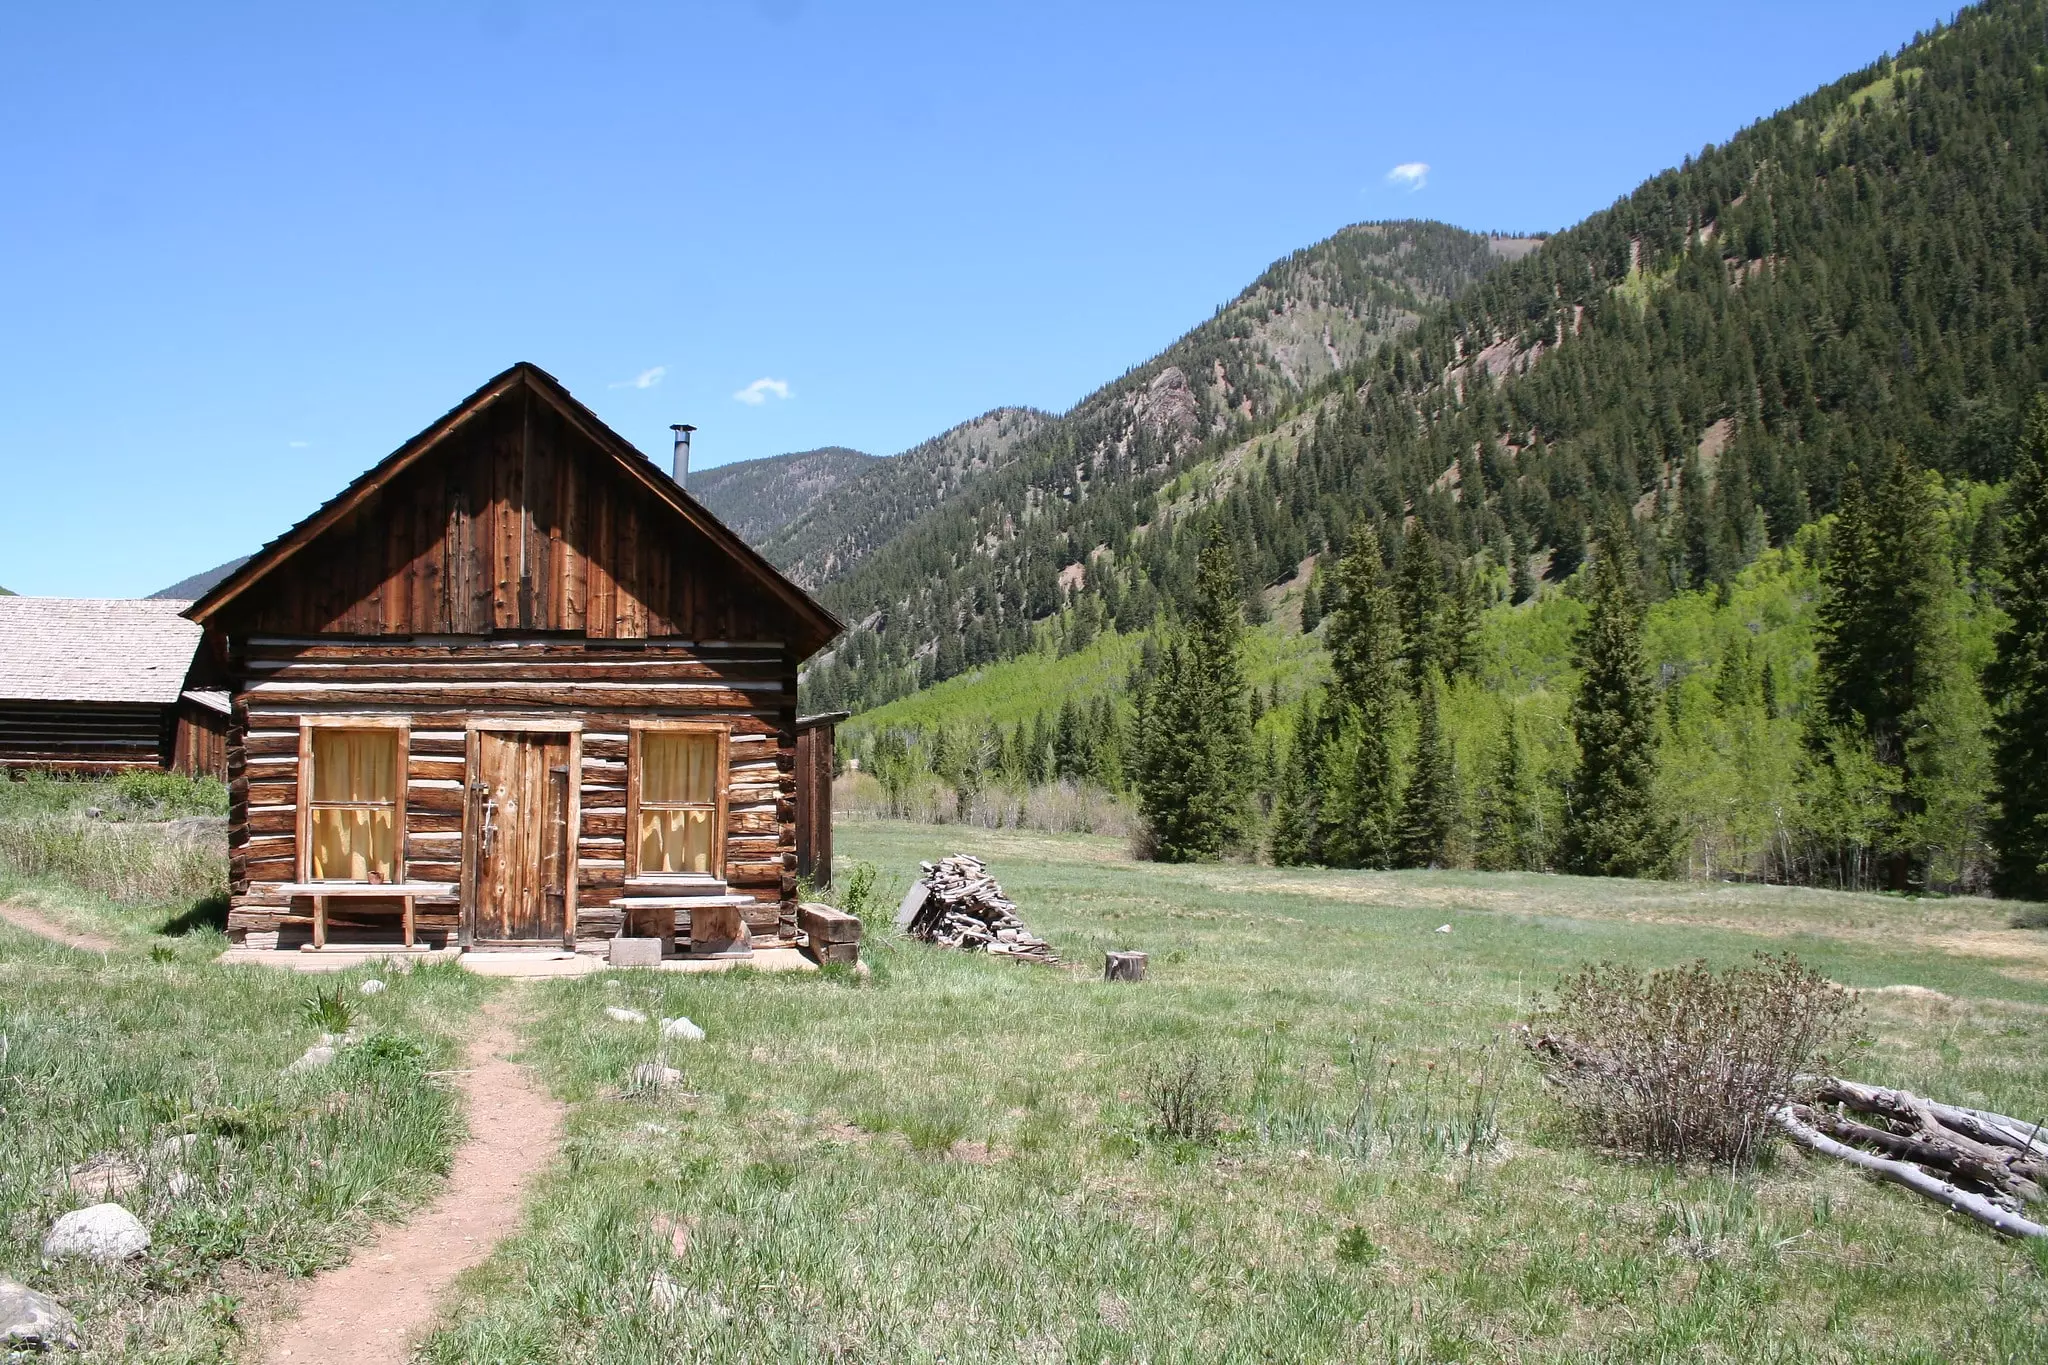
1686	1064
163	795
329	1012
1185	1096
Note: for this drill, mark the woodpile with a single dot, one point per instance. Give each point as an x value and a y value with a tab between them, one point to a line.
1987	1166
958	905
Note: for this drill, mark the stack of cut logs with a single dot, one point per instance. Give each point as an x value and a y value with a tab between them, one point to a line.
1985	1165
958	905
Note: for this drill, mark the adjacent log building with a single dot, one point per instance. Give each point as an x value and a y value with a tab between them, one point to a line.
513	686
101	685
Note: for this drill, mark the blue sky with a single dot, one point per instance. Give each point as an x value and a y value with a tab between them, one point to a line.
246	250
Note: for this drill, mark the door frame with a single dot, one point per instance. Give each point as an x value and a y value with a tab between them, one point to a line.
475	729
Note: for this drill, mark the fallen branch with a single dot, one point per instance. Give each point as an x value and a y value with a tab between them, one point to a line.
1912	1177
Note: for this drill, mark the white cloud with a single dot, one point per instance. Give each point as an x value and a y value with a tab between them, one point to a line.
1409	175
761	390
298	445
646	379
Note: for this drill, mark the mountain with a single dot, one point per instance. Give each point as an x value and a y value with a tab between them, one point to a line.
758	498
195	587
1713	355
1307	316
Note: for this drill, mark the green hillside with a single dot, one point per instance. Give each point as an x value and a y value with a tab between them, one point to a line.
1317	311
758	498
1860	271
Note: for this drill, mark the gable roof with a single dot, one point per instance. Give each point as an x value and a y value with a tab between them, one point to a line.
820	625
94	649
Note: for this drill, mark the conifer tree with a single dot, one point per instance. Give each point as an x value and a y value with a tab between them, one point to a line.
1420	592
1886	640
1312	600
1612	825
1359	803
1428	806
1509	834
2019	677
1292	841
1197	742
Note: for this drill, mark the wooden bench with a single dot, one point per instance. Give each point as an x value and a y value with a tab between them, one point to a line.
405	893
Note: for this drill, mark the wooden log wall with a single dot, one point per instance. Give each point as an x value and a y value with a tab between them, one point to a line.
444	686
201	746
83	737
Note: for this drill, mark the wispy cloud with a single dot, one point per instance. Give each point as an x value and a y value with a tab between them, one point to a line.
1409	175
298	445
761	390
646	379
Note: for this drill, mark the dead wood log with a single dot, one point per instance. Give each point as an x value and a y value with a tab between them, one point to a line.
1942	1192
1938	1153
1123	967
1990	1142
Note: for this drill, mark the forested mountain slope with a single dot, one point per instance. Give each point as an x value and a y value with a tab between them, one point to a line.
1306	317
1864	269
758	498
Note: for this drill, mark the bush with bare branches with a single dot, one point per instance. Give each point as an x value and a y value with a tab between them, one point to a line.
1687	1064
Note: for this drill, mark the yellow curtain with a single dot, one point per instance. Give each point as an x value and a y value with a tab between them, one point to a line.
677	769
355	804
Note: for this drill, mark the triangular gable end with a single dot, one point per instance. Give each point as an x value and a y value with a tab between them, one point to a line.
519	511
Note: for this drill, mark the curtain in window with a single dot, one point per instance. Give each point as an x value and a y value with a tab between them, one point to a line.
355	805
678	801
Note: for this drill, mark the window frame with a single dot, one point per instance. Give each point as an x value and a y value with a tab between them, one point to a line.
722	766
402	725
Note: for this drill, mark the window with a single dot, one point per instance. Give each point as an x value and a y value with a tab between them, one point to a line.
352	816
678	801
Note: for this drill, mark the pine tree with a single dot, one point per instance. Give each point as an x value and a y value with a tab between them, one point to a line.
2019	677
1886	640
1428	806
1359	801
1292	841
1612	825
1510	834
1197	742
1420	592
1312	600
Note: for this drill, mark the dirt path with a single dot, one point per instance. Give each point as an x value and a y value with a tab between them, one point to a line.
374	1308
21	917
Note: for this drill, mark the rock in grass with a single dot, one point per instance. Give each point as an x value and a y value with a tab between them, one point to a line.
655	1076
663	1292
31	1323
371	987
316	1056
110	1175
624	1016
104	1232
681	1028
1443	928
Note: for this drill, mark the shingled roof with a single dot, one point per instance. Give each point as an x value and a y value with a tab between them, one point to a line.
95	649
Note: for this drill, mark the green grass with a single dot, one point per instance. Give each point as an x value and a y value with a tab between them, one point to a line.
955	1159
117	1053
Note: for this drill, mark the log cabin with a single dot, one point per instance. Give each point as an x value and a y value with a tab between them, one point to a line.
94	685
512	688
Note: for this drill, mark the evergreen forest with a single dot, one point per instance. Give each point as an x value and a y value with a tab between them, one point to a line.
1704	536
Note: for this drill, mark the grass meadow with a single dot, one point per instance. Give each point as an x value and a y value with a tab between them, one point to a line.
956	1159
119	1053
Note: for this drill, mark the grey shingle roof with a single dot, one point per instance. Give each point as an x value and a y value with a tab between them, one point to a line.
105	649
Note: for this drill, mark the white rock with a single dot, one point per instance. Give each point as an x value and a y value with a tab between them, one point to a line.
371	987
316	1056
174	1148
681	1028
655	1076
663	1292
104	1232
612	985
178	1184
1443	928
624	1016
31	1323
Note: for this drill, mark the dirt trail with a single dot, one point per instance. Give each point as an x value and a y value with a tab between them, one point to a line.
374	1308
21	917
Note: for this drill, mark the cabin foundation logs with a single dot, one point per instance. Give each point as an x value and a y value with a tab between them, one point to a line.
956	904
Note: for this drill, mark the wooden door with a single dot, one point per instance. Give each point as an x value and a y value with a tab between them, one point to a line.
519	838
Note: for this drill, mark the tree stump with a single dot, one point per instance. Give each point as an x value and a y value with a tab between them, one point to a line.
1123	967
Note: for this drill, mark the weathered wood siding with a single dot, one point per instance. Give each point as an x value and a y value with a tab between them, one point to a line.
512	526
443	688
814	802
200	748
